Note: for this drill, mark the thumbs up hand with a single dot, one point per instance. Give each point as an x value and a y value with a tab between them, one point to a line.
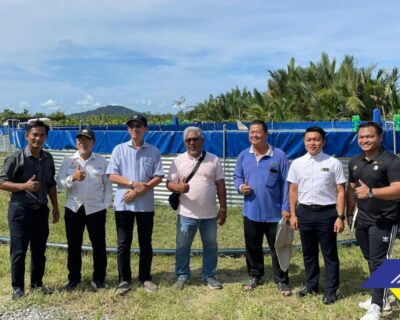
245	189
362	191
79	174
32	184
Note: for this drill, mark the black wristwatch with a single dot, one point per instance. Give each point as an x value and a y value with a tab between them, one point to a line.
341	217
370	194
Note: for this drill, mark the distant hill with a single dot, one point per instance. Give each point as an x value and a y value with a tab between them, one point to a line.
118	111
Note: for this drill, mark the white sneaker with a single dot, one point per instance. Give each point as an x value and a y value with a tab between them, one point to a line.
373	313
367	303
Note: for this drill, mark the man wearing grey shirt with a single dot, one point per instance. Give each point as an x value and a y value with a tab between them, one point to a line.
135	166
29	175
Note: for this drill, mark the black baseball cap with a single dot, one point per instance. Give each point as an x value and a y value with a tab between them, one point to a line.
137	118
88	133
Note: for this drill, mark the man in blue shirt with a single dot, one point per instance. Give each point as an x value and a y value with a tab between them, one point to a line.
260	175
135	166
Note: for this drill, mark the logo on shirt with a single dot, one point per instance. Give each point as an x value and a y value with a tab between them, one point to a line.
375	167
385	239
325	169
355	168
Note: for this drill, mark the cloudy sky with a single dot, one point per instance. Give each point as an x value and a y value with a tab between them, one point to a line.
77	55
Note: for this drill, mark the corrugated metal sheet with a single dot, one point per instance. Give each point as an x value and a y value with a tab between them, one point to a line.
161	193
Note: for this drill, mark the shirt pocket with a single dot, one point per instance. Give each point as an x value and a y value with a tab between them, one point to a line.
148	165
273	177
324	178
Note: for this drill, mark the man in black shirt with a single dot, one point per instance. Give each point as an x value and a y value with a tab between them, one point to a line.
29	175
374	186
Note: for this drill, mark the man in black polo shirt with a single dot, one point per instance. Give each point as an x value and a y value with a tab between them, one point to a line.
29	175
374	185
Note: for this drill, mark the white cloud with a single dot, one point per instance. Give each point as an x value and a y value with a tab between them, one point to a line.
51	105
87	102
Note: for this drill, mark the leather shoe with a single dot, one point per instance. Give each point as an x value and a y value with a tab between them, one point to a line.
329	299
17	293
306	291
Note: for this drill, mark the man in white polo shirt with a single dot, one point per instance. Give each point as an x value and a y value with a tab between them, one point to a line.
317	197
89	193
198	207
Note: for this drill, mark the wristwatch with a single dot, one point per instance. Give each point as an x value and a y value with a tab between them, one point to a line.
370	194
341	217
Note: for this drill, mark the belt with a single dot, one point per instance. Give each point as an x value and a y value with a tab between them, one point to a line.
317	207
33	206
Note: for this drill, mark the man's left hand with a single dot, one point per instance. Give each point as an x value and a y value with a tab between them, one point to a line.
140	187
338	227
130	196
221	217
285	214
56	215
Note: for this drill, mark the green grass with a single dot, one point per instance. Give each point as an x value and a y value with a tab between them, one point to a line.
195	302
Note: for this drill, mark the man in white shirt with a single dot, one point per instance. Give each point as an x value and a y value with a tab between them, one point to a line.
198	207
317	197
89	194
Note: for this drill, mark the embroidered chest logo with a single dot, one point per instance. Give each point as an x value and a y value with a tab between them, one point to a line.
385	239
376	167
325	169
355	168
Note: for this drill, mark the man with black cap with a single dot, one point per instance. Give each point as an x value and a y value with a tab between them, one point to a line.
135	166
89	193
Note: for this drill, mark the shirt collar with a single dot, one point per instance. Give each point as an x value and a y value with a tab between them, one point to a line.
130	144
316	157
190	157
28	152
269	153
76	155
376	157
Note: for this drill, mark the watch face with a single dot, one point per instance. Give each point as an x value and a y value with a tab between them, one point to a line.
370	194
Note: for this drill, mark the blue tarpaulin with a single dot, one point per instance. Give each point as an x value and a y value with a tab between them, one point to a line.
338	143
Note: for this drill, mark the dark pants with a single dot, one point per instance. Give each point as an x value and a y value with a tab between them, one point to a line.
124	221
253	235
316	228
28	224
376	244
75	223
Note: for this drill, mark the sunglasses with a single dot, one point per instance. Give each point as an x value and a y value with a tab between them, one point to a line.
195	139
135	126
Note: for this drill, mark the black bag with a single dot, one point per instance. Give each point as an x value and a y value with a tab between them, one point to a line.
173	198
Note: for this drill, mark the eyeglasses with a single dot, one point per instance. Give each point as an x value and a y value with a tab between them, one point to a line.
195	139
135	126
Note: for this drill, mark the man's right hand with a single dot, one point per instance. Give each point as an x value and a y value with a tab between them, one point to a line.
32	184
294	223
245	189
79	174
182	187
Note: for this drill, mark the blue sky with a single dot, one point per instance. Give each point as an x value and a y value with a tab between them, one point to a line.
77	55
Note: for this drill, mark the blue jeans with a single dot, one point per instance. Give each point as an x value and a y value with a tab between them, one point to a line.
186	229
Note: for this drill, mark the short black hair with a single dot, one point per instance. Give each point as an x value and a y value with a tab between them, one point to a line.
37	123
260	122
367	124
316	129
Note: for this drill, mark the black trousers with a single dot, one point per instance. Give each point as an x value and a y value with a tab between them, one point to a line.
316	229
75	223
28	225
124	222
253	235
376	244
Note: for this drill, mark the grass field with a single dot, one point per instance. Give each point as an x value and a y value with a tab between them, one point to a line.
195	302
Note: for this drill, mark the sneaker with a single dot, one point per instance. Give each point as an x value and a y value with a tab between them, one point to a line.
71	286
123	288
17	294
180	284
373	313
213	283
43	290
97	285
367	303
150	286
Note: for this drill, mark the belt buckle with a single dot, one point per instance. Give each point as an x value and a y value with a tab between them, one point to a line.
35	206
